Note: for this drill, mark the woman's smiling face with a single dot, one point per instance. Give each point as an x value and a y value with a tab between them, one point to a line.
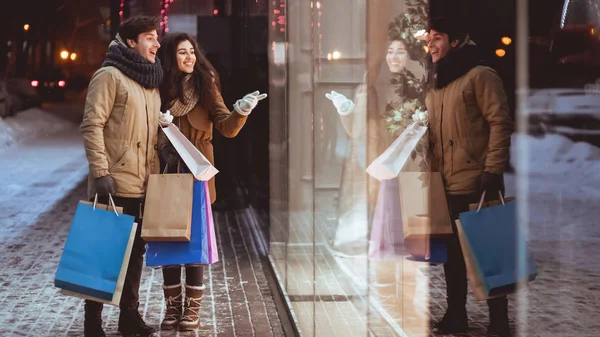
186	57
396	57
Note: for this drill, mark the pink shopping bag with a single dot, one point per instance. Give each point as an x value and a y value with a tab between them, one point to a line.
387	238
213	254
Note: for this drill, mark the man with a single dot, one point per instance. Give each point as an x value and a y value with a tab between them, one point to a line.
120	128
470	131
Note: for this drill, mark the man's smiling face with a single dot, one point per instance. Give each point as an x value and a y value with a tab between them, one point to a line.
147	45
439	45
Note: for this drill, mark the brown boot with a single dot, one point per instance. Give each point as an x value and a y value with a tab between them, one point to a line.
174	306
190	319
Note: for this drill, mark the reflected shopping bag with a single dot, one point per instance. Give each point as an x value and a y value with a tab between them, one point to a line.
390	163
424	206
197	249
168	210
426	219
94	261
386	241
427	248
490	236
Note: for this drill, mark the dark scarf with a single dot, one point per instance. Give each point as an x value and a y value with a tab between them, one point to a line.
454	65
134	65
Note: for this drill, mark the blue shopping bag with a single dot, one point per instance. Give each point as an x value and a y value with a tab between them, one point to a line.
96	254
493	237
179	253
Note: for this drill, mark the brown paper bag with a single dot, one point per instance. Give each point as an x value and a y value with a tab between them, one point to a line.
423	204
474	277
168	209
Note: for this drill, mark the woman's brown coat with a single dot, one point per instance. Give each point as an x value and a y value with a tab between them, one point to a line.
197	126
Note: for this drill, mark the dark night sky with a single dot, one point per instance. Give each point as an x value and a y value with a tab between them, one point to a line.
483	14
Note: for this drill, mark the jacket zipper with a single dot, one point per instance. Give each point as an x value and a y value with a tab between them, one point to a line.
442	137
146	175
139	145
451	156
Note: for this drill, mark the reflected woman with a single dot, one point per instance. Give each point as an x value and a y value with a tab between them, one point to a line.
371	132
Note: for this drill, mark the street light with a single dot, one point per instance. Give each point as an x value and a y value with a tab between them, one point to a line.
73	56
64	54
26	27
500	52
506	40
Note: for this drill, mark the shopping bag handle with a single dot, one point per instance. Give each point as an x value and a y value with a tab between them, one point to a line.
111	202
483	198
178	167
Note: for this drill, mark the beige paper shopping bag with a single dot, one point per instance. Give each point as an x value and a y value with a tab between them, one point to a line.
423	204
168	209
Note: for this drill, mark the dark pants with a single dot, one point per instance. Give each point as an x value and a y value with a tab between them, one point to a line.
455	270
193	275
131	287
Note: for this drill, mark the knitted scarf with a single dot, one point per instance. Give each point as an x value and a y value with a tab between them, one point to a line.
190	96
133	64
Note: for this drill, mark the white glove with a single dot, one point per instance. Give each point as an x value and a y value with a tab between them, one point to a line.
422	35
245	105
164	119
343	105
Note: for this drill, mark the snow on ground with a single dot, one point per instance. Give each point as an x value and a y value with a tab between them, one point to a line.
563	189
30	124
42	161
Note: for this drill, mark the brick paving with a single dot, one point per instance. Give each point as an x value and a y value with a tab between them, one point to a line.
238	301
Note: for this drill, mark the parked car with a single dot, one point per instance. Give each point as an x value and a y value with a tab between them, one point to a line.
565	81
50	83
20	96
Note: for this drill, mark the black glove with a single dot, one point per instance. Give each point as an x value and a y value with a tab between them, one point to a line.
491	182
169	156
105	185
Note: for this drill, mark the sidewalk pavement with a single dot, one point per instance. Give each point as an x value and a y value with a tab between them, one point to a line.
43	181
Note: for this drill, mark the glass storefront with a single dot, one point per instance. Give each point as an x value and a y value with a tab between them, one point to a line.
345	78
322	201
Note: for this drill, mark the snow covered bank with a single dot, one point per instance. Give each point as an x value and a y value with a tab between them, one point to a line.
563	190
30	124
555	153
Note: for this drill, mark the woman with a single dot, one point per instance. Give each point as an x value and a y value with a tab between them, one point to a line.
372	130
190	91
372	125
